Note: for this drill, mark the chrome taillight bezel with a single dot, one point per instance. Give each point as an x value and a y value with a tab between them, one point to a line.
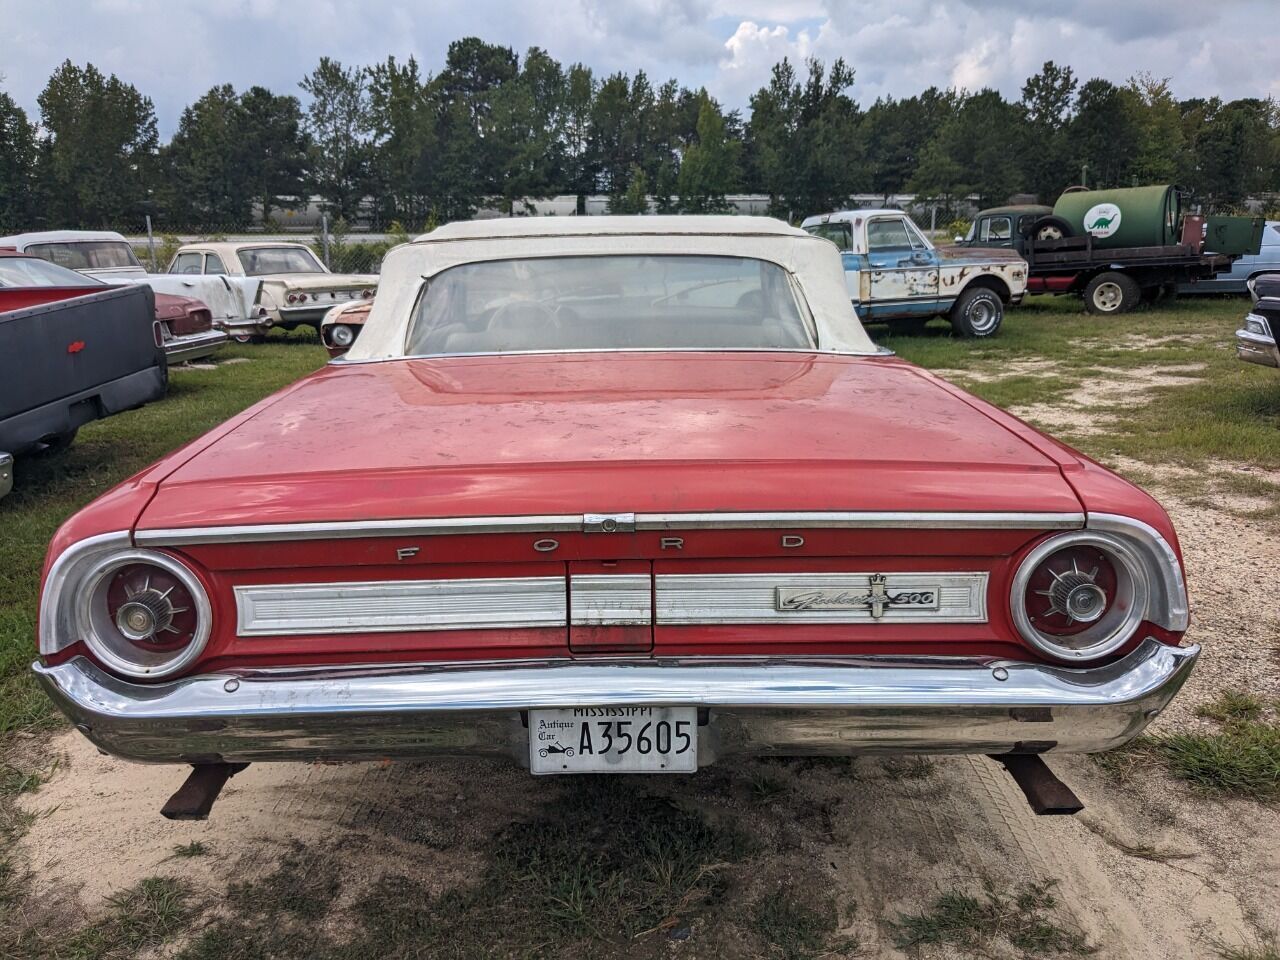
72	606
1128	608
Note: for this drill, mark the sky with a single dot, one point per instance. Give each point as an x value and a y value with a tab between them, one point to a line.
175	50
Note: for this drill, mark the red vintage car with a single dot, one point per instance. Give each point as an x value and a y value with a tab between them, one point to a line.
615	495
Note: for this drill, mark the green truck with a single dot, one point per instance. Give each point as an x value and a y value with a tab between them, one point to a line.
1116	248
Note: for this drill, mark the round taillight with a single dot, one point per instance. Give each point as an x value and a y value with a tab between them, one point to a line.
1079	595
144	614
342	335
366	293
291	298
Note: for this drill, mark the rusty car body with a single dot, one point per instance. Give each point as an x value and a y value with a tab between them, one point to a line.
628	494
896	275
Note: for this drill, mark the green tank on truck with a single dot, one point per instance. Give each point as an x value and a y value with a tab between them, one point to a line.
1128	217
1116	248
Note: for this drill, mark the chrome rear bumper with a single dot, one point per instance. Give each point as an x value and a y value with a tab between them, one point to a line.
1257	348
194	346
750	706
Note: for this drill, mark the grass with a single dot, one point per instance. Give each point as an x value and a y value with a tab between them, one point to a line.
1023	918
794	930
1241	759
604	865
1231	412
1266	949
187	851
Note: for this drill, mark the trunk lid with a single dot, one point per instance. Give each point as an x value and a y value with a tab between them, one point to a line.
603	433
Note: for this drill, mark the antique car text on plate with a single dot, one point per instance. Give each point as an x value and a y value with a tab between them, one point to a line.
627	494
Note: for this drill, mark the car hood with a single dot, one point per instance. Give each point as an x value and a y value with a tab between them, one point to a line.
591	432
320	281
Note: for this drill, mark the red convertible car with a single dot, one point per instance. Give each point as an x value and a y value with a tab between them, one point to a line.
615	495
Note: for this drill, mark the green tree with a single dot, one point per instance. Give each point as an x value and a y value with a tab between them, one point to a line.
97	156
1158	120
709	169
635	199
896	133
17	165
1102	135
207	163
581	164
275	149
805	146
402	116
975	153
529	128
1047	100
339	125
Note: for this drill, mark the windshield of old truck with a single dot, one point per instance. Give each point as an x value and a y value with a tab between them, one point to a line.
30	272
837	233
265	261
622	302
87	254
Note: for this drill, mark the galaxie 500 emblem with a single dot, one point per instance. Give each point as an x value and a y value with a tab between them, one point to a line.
877	600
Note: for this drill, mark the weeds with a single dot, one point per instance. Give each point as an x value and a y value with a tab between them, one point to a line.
1022	918
794	931
186	851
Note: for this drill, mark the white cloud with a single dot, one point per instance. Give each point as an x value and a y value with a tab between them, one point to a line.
175	51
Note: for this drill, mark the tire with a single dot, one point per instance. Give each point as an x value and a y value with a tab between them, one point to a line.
977	312
57	443
1112	293
249	338
1051	228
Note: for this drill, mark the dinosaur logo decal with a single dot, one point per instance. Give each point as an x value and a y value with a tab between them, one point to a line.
1102	220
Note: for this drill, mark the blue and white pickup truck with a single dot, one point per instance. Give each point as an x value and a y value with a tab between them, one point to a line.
895	275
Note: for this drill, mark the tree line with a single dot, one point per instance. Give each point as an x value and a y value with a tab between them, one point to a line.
492	127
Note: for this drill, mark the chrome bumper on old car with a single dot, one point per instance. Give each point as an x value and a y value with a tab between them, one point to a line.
1256	342
6	473
193	346
785	706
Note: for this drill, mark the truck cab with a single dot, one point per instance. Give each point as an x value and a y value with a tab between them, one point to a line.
895	275
1008	228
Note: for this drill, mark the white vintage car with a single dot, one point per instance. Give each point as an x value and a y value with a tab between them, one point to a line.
296	287
108	256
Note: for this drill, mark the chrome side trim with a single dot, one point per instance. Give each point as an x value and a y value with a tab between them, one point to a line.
567	523
752	598
870	520
788	707
350	530
58	627
6	473
400	605
603	600
1168	605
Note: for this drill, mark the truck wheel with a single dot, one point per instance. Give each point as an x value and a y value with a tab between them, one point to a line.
977	312
1051	228
1112	292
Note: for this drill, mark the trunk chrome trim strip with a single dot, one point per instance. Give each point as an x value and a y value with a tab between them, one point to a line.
393	606
575	523
843	598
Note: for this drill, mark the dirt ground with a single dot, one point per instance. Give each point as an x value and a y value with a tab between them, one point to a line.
1149	870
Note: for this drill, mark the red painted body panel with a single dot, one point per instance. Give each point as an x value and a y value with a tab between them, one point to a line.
1052	284
19	298
609	432
573	434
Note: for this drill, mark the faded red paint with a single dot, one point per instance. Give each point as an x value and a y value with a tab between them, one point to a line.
604	433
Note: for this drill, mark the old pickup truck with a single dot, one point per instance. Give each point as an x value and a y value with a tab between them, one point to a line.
895	275
73	354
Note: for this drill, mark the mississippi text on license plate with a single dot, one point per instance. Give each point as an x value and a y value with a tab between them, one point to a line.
614	740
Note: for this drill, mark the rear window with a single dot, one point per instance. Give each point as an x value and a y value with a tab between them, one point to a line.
265	261
837	233
87	254
31	272
628	302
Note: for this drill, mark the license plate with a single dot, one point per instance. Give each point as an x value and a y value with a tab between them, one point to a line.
614	740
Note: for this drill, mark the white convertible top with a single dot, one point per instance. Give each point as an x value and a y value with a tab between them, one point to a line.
815	263
24	240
